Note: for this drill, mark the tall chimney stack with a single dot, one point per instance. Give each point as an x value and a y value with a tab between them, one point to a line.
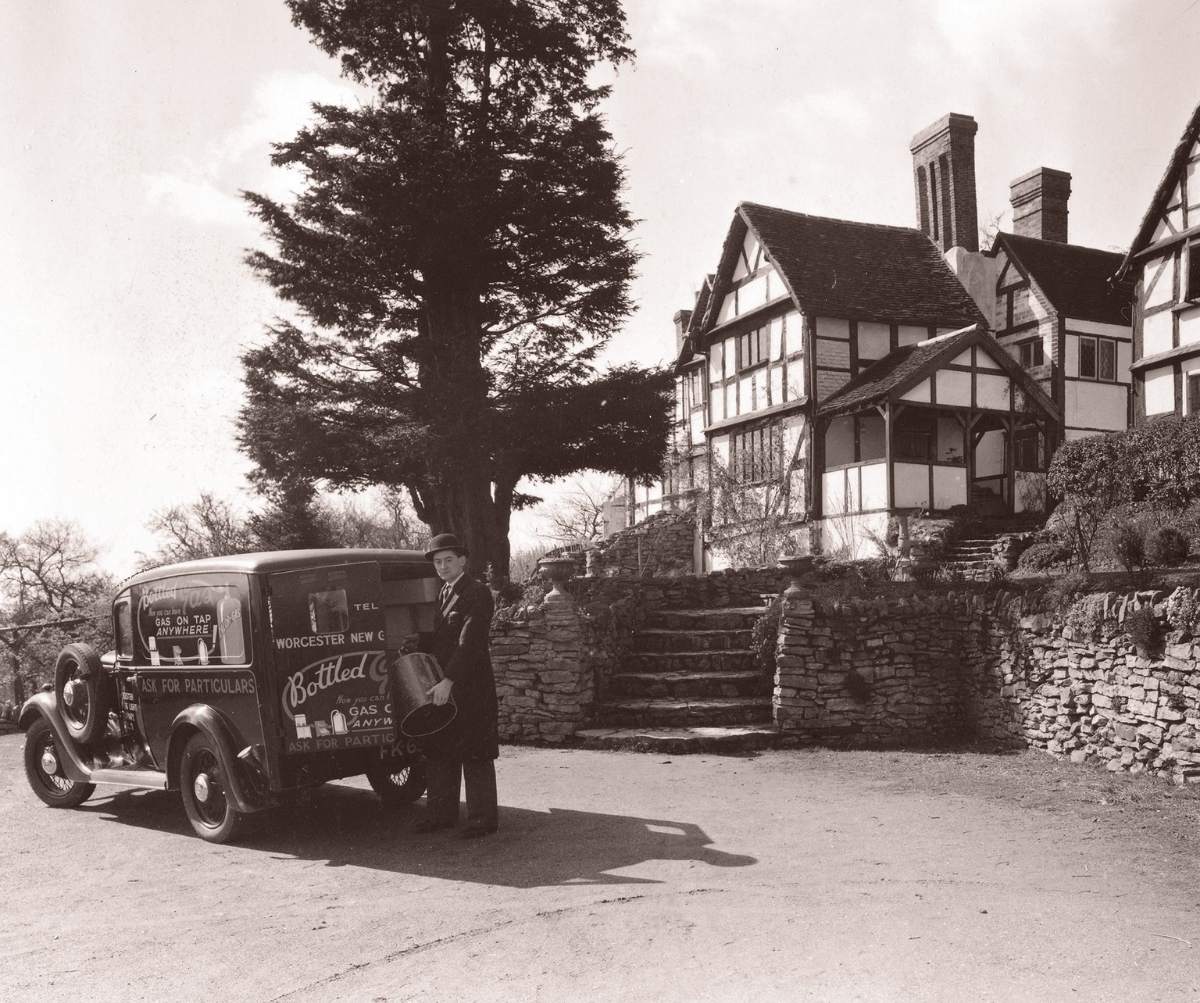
681	318
944	178
1039	204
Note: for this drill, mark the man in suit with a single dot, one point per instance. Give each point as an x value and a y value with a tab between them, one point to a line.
468	747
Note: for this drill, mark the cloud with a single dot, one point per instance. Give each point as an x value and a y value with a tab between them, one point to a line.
841	108
204	190
195	198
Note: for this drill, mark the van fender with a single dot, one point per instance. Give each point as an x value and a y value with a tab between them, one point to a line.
44	704
220	731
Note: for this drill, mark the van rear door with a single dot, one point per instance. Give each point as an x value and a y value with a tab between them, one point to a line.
331	662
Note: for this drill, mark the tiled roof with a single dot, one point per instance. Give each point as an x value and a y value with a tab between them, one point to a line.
1078	281
907	365
1165	186
835	267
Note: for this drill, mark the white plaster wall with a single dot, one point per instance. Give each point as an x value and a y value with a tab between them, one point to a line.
991	391
1124	361
874	485
1071	355
833	327
834	498
731	402
919	393
874	340
697	422
1189	327
1163	288
912	485
793	331
909	335
985	361
953	387
852	534
776	338
1156	333
1117	331
1160	390
777	385
715	362
1096	405
949	486
716	403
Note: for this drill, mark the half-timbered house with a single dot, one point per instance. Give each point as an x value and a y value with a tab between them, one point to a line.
1163	263
840	371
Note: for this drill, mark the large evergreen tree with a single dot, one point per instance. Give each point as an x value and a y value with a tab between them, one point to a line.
457	258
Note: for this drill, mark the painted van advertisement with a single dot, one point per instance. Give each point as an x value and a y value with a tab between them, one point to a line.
194	620
327	632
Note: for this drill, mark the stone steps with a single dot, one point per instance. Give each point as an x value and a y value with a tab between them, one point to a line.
681	685
657	712
662	639
737	618
681	741
688	661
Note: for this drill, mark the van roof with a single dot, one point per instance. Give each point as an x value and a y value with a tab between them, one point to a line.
267	562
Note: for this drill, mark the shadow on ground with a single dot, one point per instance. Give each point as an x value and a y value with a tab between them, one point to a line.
347	826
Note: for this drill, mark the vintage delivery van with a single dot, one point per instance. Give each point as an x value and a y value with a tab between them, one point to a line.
239	681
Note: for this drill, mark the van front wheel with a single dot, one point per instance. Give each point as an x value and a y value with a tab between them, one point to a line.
205	790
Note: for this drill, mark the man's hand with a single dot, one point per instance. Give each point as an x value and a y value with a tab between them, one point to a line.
410	643
440	691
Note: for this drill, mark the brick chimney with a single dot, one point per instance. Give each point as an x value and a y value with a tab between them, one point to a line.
1039	204
681	323
944	179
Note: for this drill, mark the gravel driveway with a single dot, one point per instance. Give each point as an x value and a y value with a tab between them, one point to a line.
618	876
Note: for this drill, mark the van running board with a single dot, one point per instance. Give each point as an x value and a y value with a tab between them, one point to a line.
130	778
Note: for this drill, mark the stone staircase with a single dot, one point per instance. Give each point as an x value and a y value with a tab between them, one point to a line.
690	684
972	556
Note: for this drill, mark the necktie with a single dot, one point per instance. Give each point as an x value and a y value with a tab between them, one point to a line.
444	597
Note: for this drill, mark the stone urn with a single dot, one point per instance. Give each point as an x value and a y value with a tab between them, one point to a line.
559	571
797	566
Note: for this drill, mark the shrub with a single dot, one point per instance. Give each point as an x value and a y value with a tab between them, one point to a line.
1167	545
1062	594
1127	538
1143	629
1044	556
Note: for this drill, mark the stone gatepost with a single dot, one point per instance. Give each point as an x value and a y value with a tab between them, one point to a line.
794	696
543	680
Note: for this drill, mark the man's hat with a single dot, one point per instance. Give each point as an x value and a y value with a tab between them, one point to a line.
445	541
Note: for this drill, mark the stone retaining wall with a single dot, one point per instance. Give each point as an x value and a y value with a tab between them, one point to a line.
545	683
902	670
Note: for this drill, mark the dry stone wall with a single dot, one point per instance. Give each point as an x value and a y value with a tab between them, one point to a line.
901	670
545	684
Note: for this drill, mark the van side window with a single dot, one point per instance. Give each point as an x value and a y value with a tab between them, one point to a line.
123	626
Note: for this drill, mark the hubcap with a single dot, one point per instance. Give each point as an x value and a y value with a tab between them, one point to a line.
69	693
201	788
49	760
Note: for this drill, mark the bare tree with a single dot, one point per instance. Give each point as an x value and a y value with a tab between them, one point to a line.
51	591
579	517
386	521
208	527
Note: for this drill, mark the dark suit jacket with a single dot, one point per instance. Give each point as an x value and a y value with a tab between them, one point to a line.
459	642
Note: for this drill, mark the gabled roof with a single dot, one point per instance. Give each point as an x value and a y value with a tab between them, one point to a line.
1077	280
839	268
903	368
1162	193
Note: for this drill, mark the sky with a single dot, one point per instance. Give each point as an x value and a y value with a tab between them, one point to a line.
130	127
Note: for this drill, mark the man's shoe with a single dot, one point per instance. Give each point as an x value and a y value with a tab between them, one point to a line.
431	825
474	830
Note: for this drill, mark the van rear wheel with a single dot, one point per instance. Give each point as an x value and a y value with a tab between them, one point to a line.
397	783
205	789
